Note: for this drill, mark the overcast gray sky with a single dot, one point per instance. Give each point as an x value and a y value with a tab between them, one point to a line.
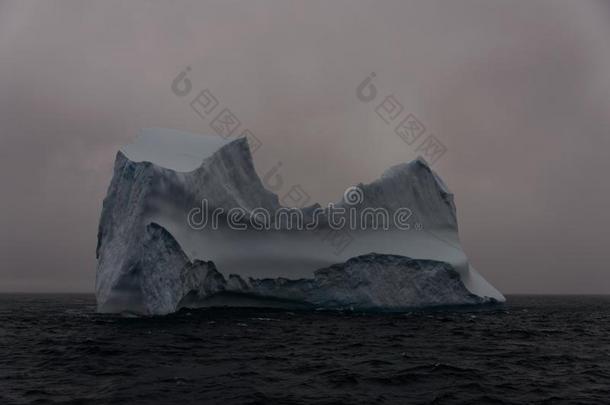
518	91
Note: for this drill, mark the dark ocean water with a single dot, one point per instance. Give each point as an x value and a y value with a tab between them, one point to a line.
536	349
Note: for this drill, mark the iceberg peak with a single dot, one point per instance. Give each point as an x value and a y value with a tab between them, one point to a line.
172	149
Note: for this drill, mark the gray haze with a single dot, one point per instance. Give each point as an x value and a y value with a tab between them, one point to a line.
518	91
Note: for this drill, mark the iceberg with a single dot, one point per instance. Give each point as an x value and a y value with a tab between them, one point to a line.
181	226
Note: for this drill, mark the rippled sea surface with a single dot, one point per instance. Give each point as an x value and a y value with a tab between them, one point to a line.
553	349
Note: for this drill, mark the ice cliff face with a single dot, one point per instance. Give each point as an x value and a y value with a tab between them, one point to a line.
163	279
151	262
159	275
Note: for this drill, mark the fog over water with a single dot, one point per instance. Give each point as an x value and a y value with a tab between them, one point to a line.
518	92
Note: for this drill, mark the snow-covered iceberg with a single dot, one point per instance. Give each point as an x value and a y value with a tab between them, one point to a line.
153	260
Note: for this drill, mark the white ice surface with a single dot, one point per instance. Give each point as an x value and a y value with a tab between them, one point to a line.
173	149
